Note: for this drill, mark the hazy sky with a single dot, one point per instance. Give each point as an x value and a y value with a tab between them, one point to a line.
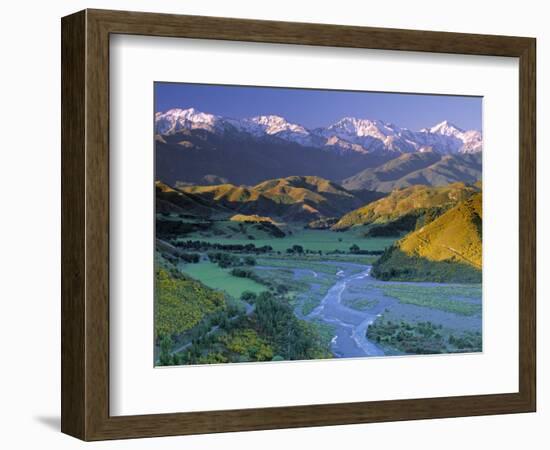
314	108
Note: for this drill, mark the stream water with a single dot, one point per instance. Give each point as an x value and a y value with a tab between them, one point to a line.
350	325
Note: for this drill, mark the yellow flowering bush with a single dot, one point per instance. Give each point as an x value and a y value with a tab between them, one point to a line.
181	303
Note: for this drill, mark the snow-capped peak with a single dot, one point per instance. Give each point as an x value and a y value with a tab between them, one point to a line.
277	126
273	124
361	127
466	141
177	119
446	128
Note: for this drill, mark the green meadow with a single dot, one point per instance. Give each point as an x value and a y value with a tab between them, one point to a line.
458	299
217	278
313	240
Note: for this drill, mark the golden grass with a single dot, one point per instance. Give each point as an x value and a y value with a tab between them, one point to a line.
251	218
454	236
405	201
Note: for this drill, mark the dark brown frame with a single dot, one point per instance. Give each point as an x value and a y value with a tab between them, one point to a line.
85	224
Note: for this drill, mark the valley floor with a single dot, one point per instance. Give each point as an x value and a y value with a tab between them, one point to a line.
333	290
348	300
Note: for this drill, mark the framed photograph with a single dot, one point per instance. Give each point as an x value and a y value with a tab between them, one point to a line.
273	225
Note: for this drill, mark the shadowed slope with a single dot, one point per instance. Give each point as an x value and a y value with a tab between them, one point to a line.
429	168
169	200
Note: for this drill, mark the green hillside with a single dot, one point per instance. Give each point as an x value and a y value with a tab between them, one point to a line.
404	207
181	303
447	249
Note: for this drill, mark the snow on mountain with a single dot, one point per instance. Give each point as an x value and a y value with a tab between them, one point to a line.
347	135
342	146
275	124
446	128
278	126
370	135
351	127
473	141
177	119
454	137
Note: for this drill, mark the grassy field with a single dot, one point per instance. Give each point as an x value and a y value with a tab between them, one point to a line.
313	240
280	276
295	263
463	300
216	278
360	304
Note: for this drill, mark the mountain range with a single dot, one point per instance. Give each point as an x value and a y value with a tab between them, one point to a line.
349	134
192	146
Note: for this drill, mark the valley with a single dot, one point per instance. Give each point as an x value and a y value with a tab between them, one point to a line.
334	285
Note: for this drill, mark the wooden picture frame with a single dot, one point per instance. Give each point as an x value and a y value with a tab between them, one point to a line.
85	224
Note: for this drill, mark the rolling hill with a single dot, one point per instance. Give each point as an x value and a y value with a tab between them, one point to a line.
170	200
291	199
429	168
405	207
455	236
448	249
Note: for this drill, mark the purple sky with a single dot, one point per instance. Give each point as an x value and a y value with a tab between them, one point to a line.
314	108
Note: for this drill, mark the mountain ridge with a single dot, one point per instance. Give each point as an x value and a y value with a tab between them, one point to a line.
295	198
415	201
240	158
351	133
427	168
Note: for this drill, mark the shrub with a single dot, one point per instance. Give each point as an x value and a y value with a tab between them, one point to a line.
181	303
248	296
249	260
